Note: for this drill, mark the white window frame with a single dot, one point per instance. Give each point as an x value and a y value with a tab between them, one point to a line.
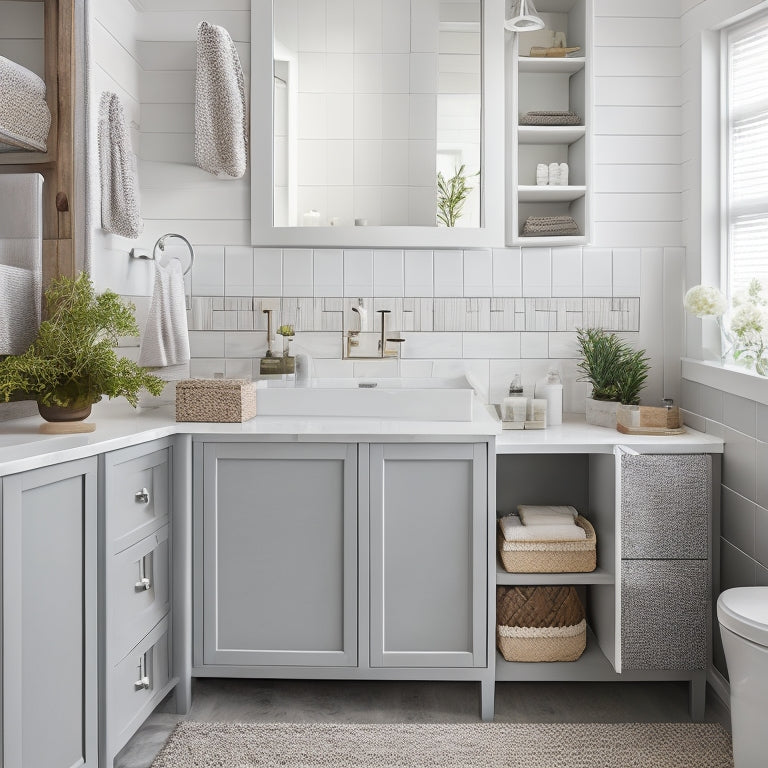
728	209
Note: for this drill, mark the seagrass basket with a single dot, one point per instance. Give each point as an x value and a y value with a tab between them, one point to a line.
551	556
536	624
215	400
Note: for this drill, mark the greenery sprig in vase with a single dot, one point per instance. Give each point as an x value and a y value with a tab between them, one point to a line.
72	362
451	195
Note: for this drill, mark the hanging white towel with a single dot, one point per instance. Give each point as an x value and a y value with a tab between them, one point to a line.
25	119
165	341
120	209
221	117
21	259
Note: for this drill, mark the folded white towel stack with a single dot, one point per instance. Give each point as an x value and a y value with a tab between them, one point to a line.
514	530
221	116
21	260
25	119
120	210
547	515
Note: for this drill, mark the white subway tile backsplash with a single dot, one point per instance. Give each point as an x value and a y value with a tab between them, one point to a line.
563	345
368	25
388	273
238	369
207	368
340	168
395	118
339	27
396	27
477	373
312	116
333	369
626	271
425	22
478	273
507	272
449	273
358	273
206	344
501	374
598	272
208	274
320	344
339	69
297	272
537	272
339	116
418	273
368	72
423	126
432	345
380	369
368	116
491	345
395	154
424	73
312	72
238	271
566	272
395	73
267	272
329	272
534	345
416	369
395	209
244	344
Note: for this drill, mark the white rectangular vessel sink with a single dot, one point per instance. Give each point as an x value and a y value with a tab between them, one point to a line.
429	399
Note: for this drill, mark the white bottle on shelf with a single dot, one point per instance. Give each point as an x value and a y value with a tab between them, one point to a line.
550	388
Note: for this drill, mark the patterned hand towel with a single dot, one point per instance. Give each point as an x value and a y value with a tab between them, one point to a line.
120	211
25	119
221	117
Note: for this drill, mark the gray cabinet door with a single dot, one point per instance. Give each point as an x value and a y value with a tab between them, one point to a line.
428	555
663	560
276	539
49	617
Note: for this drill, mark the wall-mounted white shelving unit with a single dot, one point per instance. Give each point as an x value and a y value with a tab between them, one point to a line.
551	84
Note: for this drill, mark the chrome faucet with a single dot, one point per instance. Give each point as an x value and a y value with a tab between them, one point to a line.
361	344
383	351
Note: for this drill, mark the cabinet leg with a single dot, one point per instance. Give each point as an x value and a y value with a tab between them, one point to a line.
697	696
487	700
183	695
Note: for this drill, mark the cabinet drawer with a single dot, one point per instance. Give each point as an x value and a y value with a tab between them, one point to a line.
139	591
137	499
666	504
665	610
137	681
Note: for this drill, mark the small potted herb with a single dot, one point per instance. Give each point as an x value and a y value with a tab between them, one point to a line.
72	361
616	371
451	195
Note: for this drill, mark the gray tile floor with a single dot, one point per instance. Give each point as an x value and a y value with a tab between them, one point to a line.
415	702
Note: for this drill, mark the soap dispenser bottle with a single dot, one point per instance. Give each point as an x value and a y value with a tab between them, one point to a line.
550	388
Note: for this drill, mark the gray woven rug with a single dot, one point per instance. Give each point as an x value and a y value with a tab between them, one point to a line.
481	745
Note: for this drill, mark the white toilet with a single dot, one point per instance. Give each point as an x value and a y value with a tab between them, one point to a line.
743	617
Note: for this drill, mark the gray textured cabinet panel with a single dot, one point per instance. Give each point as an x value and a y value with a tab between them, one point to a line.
664	610
49	617
278	531
428	511
666	505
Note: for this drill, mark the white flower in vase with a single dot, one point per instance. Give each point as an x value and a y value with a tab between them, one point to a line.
705	301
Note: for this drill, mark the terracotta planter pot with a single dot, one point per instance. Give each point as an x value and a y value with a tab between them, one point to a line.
56	413
602	413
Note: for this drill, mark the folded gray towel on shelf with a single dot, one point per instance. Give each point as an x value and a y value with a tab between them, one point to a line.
120	209
221	117
25	119
556	226
550	117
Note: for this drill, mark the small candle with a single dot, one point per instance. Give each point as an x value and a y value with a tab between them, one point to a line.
312	218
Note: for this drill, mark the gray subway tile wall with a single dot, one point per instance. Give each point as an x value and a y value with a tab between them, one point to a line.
743	424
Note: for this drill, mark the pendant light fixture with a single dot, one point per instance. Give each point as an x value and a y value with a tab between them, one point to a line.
524	17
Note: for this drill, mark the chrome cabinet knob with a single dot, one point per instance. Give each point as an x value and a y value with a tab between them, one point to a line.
142	684
143	585
142	496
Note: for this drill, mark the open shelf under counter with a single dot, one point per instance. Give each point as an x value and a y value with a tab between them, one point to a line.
550	134
505	578
551	64
591	666
549	194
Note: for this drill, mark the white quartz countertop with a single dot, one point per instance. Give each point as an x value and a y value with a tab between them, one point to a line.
22	447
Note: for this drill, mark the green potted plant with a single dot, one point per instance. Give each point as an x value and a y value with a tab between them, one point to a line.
72	361
451	195
616	371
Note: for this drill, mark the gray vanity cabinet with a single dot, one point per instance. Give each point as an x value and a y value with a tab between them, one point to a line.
428	555
277	540
49	577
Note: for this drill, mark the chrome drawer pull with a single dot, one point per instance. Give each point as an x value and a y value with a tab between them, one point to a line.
143	585
142	496
143	683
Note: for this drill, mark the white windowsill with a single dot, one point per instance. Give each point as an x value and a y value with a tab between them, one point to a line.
727	378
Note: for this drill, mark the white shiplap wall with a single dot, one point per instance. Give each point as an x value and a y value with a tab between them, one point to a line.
637	174
21	34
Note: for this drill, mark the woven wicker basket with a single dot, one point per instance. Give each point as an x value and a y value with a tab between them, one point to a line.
551	556
540	623
215	400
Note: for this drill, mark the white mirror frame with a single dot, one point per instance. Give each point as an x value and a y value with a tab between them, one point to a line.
490	234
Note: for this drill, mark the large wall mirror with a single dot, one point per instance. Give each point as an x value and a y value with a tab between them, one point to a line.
377	122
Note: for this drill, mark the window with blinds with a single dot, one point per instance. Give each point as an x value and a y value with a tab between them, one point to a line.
746	145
